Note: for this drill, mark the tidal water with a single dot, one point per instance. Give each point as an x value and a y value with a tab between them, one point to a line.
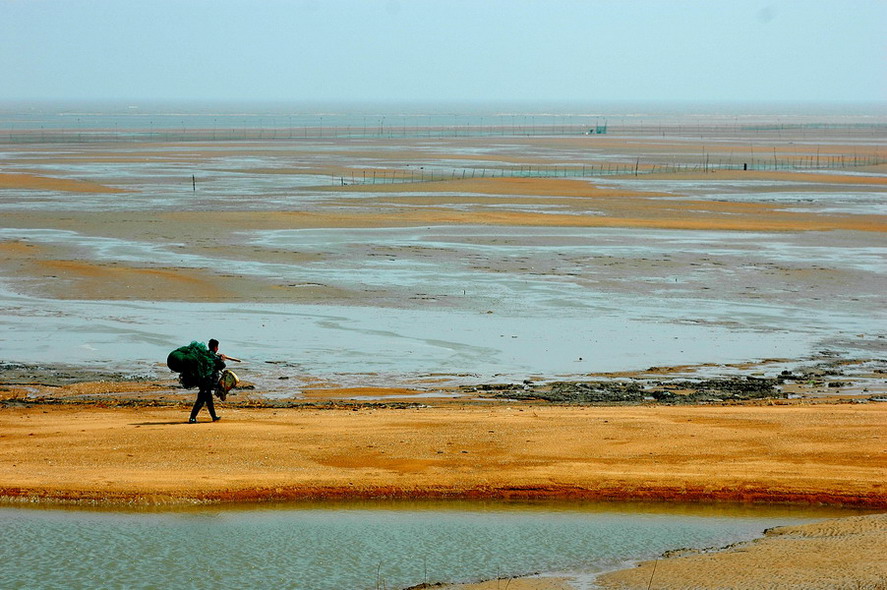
458	301
404	304
355	546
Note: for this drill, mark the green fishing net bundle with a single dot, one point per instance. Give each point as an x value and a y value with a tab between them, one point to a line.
194	363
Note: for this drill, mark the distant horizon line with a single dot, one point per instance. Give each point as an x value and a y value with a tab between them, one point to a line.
658	106
424	101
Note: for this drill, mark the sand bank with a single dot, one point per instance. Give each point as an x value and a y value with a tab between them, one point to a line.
841	553
810	454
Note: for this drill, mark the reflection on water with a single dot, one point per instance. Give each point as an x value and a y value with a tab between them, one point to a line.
353	546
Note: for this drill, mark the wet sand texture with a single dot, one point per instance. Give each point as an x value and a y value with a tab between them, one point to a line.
789	254
514	584
843	553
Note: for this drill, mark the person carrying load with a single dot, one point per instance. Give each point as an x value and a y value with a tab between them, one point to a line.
202	367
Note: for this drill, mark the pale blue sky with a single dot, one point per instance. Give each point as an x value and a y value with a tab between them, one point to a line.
427	50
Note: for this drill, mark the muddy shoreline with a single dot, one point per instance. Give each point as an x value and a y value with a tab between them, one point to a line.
832	379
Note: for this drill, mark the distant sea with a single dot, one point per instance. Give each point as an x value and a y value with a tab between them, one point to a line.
402	119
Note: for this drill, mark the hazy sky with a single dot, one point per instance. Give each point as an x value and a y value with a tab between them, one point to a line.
417	50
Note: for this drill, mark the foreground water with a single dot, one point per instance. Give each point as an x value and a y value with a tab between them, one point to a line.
354	546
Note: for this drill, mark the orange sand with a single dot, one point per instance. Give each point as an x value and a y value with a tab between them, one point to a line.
823	453
48	183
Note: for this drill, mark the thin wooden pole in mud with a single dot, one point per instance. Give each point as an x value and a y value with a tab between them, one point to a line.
650	583
193	183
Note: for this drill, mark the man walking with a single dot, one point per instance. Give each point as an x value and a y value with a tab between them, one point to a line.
208	384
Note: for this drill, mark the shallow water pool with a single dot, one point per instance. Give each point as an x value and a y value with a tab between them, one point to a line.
354	546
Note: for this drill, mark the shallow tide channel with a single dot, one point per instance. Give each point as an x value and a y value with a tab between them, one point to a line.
357	546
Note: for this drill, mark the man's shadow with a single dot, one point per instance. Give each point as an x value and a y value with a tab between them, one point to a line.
173	423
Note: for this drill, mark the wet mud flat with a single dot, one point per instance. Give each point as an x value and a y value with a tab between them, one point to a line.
523	273
856	381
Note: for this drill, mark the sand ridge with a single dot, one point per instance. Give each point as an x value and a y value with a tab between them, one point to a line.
822	453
